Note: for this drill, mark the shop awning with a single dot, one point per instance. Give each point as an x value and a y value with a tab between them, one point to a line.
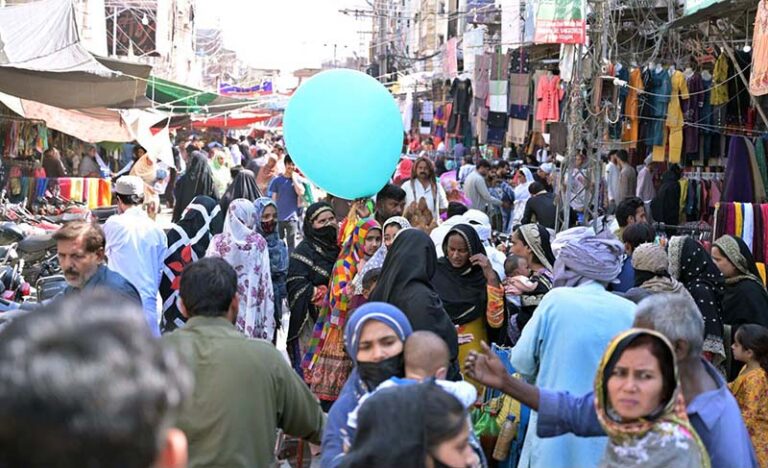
42	59
722	9
178	98
241	120
90	125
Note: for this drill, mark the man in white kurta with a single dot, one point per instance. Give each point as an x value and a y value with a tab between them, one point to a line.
136	246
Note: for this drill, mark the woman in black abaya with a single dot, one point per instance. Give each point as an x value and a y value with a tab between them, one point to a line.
406	282
197	180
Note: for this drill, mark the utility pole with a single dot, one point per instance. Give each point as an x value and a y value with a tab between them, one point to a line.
586	133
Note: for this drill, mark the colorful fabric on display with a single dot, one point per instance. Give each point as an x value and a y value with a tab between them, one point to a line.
93	192
739	182
548	93
739	218
105	192
760	159
631	129
719	77
675	116
76	192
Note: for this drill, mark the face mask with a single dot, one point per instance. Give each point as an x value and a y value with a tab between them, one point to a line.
374	373
268	227
327	234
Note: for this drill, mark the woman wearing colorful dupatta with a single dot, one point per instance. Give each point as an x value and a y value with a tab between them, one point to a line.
326	364
266	226
640	405
243	248
690	264
188	240
469	288
390	229
309	274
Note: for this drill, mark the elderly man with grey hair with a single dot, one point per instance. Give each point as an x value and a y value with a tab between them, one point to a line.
711	408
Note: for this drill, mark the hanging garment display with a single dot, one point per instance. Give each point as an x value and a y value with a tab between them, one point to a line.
631	123
692	113
706	119
548	94
461	96
674	122
473	46
659	90
758	81
719	94
739	182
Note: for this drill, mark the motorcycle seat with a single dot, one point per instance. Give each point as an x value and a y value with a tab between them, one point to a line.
36	243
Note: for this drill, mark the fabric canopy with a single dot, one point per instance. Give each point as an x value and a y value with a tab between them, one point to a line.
231	121
90	125
42	59
183	99
42	36
80	90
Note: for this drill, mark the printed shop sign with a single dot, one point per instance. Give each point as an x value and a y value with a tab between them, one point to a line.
560	22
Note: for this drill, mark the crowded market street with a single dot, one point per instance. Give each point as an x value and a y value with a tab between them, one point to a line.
391	233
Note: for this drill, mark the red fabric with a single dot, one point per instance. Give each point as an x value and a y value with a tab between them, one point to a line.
730	219
65	186
764	212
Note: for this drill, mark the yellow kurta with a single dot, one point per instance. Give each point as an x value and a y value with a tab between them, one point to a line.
751	391
631	130
494	316
719	77
675	116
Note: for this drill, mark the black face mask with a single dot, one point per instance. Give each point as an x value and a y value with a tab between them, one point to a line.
374	373
327	234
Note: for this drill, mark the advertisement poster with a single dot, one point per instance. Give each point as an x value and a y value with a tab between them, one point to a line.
560	22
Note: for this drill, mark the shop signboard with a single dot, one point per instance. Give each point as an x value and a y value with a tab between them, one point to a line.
560	22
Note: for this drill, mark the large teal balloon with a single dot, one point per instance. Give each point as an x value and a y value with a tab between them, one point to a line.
344	131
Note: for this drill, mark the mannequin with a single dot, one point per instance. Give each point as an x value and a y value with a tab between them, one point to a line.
688	72
659	68
706	75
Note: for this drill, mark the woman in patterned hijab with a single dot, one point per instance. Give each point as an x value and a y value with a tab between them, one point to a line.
640	405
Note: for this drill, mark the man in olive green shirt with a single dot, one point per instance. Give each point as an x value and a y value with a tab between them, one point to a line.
244	389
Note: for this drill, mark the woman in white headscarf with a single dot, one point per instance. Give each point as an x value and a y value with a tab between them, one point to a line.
482	224
521	194
247	251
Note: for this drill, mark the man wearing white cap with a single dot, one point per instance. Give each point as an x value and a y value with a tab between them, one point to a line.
544	174
136	246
